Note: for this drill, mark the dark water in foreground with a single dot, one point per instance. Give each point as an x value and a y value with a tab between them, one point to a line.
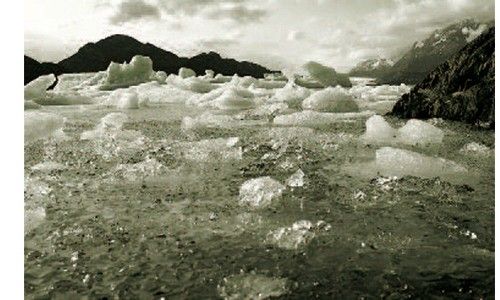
178	233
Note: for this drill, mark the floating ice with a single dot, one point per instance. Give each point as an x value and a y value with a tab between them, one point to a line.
111	140
38	87
48	166
149	168
477	149
326	76
412	133
139	70
186	72
252	286
260	192
226	97
193	84
379	93
291	94
378	131
313	118
206	120
398	162
419	132
267	84
39	125
219	78
296	179
66	98
208	150
153	92
125	98
160	76
331	100
36	195
297	235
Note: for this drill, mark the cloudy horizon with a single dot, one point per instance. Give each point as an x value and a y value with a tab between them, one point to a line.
277	34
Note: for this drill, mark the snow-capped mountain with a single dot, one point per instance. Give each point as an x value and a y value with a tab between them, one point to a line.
372	67
424	56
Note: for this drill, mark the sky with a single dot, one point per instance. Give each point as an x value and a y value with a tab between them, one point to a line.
280	34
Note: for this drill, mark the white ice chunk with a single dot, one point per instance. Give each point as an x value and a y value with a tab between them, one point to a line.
296	179
186	72
326	76
123	99
39	125
208	150
297	235
476	149
194	84
378	130
398	162
38	87
153	92
291	94
313	118
139	70
149	168
260	192
252	286
30	104
48	166
331	100
419	132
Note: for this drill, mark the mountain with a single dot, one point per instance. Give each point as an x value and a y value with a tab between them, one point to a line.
426	55
93	57
374	68
33	69
462	88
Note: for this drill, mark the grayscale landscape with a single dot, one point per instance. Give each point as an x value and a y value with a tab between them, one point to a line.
236	155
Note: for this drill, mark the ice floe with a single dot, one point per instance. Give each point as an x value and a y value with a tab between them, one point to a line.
210	149
314	118
149	168
398	162
414	132
297	235
186	72
38	87
331	100
139	70
476	149
296	179
326	76
260	192
252	286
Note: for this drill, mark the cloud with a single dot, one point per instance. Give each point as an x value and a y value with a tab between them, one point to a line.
132	10
238	11
294	35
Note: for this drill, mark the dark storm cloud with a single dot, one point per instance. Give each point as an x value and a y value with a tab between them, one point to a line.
132	10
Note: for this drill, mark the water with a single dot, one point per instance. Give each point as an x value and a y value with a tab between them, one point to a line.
177	231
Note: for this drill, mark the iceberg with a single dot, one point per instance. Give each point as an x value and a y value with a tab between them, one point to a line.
139	70
326	76
260	192
419	132
378	131
331	100
186	73
38	87
398	162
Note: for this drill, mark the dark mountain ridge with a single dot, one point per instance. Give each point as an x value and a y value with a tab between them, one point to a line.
119	48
